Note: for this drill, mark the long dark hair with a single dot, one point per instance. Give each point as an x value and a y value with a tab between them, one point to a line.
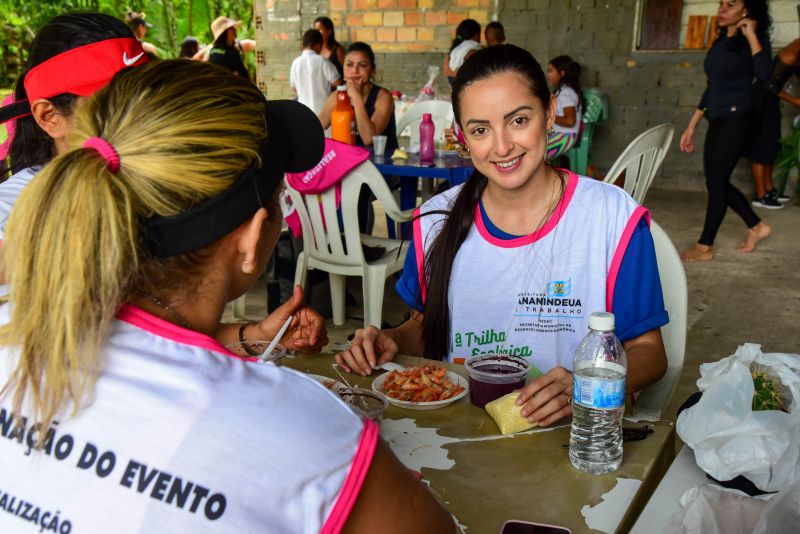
758	10
466	30
571	77
31	145
439	260
330	43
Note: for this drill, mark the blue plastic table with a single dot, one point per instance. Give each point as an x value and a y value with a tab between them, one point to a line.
452	168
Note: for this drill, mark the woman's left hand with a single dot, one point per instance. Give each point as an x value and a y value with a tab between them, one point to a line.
548	397
306	333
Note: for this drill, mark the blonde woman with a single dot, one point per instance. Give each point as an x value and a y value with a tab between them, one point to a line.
139	420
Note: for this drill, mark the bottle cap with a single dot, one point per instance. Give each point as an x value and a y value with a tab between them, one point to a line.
426	116
341	87
601	321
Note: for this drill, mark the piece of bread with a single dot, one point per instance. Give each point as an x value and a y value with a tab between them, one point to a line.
399	153
505	413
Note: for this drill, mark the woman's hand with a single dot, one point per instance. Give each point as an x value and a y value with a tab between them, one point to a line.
354	89
307	331
370	347
687	141
747	26
547	398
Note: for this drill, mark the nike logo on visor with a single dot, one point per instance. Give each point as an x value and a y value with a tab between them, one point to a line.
132	60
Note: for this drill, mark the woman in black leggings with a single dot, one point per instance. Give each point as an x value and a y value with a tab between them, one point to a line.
740	53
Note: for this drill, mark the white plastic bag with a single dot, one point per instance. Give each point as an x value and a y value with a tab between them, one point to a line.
428	91
711	509
729	438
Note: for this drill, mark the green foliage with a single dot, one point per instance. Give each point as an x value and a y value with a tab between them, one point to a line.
172	20
768	394
788	157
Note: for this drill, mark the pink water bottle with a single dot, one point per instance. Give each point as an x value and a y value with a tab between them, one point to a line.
427	152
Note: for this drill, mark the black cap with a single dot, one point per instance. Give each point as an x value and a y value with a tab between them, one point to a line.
294	143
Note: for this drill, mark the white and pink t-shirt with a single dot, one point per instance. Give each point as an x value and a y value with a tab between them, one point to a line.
181	436
532	295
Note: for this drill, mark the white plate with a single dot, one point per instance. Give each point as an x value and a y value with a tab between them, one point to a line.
330	383
377	385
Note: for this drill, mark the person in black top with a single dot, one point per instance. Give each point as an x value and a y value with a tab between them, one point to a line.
331	49
227	51
766	133
740	53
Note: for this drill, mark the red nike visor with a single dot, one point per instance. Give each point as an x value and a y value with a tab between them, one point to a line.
84	70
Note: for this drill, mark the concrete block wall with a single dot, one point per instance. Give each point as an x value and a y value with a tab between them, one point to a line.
645	88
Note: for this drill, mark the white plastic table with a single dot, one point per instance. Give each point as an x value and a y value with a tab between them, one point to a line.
663	504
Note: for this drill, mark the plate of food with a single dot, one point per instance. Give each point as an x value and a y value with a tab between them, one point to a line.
425	387
330	383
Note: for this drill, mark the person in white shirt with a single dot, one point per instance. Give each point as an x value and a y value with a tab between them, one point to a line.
311	75
119	408
563	75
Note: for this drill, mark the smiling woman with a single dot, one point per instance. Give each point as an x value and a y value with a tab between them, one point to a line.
534	248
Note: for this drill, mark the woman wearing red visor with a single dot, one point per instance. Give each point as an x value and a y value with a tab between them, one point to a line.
73	56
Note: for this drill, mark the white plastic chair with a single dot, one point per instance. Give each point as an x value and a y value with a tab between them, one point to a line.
652	399
641	160
324	247
441	112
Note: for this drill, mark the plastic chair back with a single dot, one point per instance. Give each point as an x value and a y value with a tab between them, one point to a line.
441	112
641	160
332	240
654	398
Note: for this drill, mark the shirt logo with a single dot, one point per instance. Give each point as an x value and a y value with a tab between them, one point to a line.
559	288
132	60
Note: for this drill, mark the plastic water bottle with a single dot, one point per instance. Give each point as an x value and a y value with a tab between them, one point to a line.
427	151
598	398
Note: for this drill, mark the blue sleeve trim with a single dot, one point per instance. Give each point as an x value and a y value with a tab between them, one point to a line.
407	286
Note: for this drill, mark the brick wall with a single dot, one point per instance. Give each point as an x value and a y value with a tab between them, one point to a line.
645	88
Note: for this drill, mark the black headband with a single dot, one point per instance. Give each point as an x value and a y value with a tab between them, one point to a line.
295	143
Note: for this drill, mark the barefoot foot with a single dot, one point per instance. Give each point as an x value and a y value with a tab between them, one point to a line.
698	253
754	235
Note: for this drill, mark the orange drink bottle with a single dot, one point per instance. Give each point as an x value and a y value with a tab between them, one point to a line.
343	118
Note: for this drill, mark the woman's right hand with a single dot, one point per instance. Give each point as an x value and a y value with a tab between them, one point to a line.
370	347
687	141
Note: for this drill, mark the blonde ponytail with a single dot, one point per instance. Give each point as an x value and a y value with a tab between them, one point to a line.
73	248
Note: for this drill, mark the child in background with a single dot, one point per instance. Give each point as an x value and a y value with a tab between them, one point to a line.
494	34
466	43
564	74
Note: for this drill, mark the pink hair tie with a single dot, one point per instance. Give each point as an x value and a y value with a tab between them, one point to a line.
105	150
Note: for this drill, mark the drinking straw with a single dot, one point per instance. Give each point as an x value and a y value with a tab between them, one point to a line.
277	338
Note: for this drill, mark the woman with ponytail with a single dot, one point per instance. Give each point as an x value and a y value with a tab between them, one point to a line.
123	254
522	251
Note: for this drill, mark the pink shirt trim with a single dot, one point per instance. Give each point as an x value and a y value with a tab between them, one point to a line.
419	254
355	479
552	222
161	328
619	253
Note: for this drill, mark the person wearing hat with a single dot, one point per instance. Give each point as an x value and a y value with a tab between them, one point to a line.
134	415
227	51
137	23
